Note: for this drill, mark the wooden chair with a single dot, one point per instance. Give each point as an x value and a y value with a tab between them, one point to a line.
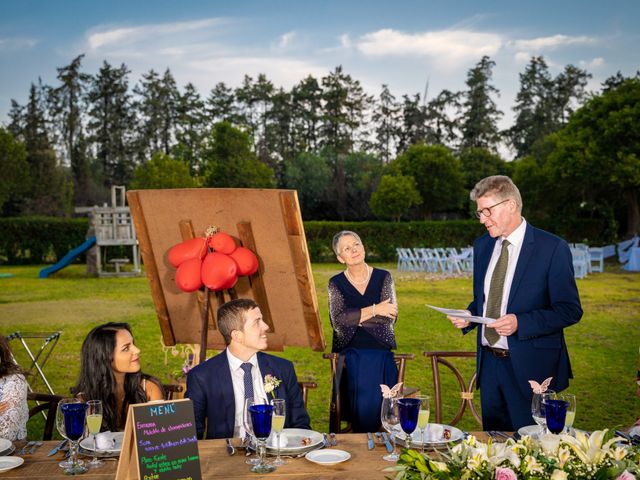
171	389
305	387
45	402
466	389
335	418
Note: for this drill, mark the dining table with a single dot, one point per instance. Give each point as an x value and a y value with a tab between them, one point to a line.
216	463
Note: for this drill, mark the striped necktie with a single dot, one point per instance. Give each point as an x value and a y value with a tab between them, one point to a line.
495	292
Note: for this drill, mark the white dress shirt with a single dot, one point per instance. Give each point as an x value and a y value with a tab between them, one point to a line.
237	377
515	239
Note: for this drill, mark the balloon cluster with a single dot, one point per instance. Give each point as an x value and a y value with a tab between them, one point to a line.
213	260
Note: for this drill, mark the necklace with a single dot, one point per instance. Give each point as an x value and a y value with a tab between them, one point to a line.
361	282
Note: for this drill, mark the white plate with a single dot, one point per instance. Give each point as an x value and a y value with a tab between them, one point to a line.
531	430
328	456
8	451
416	436
7	463
294	440
5	444
87	443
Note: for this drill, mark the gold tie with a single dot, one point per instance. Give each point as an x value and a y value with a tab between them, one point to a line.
495	292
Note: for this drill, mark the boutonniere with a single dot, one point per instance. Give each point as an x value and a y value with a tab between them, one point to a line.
270	384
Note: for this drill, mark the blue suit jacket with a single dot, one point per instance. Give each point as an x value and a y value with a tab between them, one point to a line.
210	388
544	297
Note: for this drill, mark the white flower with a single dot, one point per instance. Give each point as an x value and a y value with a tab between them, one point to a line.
618	453
532	465
270	384
559	475
563	455
590	449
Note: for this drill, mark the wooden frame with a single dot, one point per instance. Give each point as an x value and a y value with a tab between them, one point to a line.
266	221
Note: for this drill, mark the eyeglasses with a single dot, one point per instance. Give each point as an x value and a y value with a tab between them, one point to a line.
487	211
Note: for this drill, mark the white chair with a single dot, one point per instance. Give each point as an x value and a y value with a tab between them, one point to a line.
580	264
596	259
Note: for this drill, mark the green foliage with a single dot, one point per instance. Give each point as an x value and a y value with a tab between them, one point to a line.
13	165
311	176
395	195
163	171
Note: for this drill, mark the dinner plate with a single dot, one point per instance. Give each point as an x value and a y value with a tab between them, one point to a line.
328	456
531	430
87	443
8	451
7	463
295	436
434	435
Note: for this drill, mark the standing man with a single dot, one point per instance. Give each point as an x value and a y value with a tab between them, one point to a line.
523	277
219	386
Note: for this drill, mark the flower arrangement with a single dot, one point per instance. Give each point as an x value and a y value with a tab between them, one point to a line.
270	384
597	456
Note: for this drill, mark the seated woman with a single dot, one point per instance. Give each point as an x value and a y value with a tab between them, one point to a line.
363	311
14	411
110	372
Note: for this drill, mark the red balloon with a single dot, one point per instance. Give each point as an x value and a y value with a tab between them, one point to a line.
246	260
188	275
232	281
218	270
222	243
193	248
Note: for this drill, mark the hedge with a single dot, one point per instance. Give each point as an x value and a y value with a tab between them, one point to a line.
37	240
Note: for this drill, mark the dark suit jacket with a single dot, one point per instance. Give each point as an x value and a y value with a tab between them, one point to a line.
210	388
545	299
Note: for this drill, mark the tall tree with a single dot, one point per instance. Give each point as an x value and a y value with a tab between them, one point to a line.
163	171
442	119
306	106
13	162
569	92
480	113
385	119
221	105
414	122
190	128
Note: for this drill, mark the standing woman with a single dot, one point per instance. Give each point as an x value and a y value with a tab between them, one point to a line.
110	372
14	411
363	311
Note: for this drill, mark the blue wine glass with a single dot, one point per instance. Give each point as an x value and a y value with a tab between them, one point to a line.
260	416
556	414
73	415
409	411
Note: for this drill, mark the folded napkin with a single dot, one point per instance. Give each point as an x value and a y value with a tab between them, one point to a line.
272	441
435	433
106	441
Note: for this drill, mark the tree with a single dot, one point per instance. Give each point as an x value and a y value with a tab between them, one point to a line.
478	163
221	105
385	117
441	118
479	122
310	175
414	123
569	92
395	195
190	128
306	108
13	163
229	161
362	175
163	171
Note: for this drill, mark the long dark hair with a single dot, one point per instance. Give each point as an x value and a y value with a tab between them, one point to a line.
7	365
97	380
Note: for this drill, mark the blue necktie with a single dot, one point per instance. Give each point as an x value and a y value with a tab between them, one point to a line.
248	380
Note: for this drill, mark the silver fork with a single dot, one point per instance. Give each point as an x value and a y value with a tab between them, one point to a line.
35	446
23	450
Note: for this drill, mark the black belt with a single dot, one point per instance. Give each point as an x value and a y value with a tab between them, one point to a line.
497	352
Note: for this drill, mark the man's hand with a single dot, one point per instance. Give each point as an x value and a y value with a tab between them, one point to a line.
505	325
459	322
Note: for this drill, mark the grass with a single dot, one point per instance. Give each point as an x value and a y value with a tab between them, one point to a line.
603	347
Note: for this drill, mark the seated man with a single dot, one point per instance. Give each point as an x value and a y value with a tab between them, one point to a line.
217	386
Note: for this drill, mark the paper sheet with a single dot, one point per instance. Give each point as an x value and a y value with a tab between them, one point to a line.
462	314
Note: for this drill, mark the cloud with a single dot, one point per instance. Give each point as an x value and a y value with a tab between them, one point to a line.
449	46
550	43
345	41
285	39
592	64
17	43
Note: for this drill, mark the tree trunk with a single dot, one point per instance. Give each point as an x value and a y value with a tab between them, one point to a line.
633	212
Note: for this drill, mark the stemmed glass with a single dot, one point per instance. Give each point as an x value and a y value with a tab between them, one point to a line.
260	417
409	409
246	422
556	412
94	422
277	425
537	409
71	416
571	410
390	417
423	417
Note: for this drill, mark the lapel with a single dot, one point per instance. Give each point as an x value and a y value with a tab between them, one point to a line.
528	246
228	399
268	368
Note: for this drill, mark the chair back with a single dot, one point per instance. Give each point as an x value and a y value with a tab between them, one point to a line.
172	390
466	388
305	387
47	403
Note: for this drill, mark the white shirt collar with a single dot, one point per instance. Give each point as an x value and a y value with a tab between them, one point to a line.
235	362
517	236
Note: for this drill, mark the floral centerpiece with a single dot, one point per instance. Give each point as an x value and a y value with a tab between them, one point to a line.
598	456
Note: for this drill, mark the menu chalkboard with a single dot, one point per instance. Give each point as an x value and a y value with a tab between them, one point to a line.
160	442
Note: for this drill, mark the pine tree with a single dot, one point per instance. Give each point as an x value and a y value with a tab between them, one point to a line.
385	117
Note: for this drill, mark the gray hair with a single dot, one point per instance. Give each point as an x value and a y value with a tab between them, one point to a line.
499	185
339	235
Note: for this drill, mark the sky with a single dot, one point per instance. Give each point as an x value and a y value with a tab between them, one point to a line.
411	46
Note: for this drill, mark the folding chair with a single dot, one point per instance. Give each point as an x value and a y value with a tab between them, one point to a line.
466	388
48	344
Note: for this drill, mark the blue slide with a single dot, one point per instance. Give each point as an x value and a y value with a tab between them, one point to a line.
68	258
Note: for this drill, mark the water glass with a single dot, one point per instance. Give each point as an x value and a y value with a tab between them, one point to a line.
277	425
556	413
246	422
260	418
72	414
390	418
409	409
537	409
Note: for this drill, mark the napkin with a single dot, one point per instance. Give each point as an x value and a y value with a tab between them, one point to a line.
106	441
435	432
272	441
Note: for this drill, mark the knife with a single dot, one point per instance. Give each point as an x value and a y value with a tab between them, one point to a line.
387	443
370	440
55	449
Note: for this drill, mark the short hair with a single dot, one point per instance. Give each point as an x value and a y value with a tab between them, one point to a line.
499	185
231	316
339	235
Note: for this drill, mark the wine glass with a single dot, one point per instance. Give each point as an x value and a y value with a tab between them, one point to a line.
556	412
72	413
260	418
423	417
246	422
390	417
409	409
277	425
94	422
537	409
66	463
571	410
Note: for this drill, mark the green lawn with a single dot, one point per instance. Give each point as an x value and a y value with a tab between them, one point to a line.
603	346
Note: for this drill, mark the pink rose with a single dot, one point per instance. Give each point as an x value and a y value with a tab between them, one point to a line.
626	476
505	474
